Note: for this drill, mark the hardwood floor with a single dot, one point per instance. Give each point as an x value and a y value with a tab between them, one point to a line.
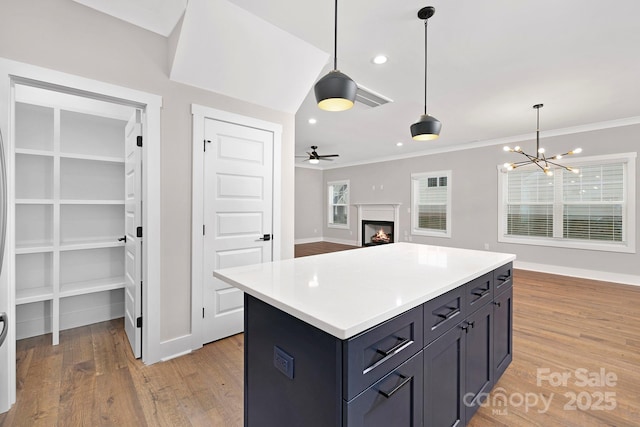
561	325
317	248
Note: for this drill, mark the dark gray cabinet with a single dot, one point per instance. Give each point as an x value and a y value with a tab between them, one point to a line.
395	400
502	331
444	374
429	366
478	378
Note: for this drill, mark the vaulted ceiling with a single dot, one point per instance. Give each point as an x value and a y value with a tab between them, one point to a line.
490	61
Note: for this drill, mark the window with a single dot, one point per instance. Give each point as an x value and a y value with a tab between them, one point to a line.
431	204
594	209
338	204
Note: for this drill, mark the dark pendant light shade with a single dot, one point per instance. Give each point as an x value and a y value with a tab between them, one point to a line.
427	127
335	91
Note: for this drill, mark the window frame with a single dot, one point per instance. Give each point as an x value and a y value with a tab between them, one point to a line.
431	232
330	204
628	244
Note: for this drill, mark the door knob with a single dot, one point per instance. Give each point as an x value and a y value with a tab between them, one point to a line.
265	237
123	238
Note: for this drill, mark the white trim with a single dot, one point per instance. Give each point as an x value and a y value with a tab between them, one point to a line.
415	230
151	103
630	199
307	240
630	121
605	276
330	204
199	114
175	347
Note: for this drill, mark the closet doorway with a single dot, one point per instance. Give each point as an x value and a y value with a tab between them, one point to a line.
78	217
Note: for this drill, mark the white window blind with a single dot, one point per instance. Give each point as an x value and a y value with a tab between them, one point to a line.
594	209
431	194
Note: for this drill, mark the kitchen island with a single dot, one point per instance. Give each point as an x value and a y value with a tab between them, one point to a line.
391	335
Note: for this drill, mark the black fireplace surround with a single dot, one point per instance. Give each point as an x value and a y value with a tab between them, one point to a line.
370	230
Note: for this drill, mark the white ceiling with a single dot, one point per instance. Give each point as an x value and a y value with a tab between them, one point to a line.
490	61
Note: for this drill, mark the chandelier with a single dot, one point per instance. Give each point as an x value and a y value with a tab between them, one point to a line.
540	159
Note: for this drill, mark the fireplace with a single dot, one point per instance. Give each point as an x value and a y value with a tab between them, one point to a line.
376	232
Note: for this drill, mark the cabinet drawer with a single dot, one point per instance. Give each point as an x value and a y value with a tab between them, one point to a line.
503	277
479	292
442	313
395	400
372	354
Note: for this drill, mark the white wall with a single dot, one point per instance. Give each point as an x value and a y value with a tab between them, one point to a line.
475	199
309	205
66	36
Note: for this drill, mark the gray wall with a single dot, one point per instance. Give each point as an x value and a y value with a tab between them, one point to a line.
309	202
475	197
66	36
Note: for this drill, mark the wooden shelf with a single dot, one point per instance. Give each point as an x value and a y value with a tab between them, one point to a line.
34	201
92	157
32	152
93	244
91	286
90	202
26	296
33	248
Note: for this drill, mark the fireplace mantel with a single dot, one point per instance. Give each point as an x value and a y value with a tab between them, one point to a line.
378	212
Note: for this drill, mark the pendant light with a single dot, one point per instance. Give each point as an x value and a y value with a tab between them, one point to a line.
539	159
335	91
427	127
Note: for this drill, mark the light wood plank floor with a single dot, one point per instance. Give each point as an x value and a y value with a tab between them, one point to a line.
560	324
316	248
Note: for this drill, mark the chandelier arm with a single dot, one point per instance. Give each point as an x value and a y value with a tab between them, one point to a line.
560	166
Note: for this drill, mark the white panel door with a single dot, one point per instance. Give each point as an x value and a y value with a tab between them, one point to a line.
133	242
238	210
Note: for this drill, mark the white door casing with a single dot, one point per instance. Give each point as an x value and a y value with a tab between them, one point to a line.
11	71
238	216
132	238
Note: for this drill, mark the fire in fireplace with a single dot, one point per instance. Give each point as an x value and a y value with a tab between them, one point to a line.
377	232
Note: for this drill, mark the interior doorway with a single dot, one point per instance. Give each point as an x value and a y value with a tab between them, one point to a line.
14	73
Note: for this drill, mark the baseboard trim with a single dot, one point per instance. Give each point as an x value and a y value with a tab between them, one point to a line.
307	240
176	347
605	276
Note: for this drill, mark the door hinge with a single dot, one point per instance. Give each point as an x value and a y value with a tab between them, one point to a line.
203	230
206	141
139	141
139	232
203	312
139	322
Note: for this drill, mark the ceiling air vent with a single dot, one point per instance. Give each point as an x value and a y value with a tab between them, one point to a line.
370	98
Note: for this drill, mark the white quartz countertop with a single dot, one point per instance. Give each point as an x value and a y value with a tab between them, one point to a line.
345	293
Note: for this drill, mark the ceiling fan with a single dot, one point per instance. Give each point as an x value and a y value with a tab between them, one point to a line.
314	158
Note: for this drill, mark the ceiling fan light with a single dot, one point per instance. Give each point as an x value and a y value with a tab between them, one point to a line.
427	128
335	91
314	161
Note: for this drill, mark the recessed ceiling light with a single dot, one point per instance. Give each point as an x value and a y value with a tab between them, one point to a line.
399	144
379	59
312	121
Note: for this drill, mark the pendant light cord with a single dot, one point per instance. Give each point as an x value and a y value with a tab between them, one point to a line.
335	37
425	64
538	132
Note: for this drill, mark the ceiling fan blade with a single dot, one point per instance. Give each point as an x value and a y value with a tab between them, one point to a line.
329	155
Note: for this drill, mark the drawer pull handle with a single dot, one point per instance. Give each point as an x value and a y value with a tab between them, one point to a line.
504	277
405	381
450	314
496	303
395	348
483	293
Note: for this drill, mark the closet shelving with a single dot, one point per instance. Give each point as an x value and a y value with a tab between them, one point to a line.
69	213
